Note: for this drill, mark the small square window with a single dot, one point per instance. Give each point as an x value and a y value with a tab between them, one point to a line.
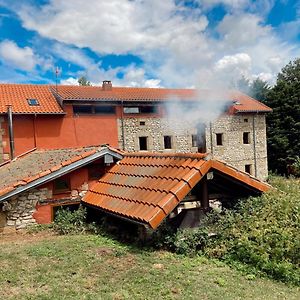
246	137
219	139
248	169
246	120
167	142
33	102
143	143
61	185
142	123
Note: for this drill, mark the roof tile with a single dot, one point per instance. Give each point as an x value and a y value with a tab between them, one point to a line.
146	187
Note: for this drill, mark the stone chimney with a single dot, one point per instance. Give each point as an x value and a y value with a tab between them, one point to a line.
106	85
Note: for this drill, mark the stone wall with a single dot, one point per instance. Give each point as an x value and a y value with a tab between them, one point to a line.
155	129
232	150
22	210
19	210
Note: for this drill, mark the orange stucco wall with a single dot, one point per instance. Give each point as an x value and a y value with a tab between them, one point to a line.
44	212
50	131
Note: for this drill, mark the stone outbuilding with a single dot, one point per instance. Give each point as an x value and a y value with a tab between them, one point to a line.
35	184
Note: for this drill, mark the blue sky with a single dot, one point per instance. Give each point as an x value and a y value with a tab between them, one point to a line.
152	43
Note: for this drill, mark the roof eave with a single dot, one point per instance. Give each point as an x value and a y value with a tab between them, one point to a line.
62	171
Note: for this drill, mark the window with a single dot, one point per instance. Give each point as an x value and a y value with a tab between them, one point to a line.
143	143
246	120
194	140
148	109
104	110
167	142
82	109
140	109
61	185
219	139
246	137
33	102
248	169
142	123
131	110
90	109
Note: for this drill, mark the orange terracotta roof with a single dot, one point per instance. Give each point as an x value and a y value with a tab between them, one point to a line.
39	163
95	93
17	95
146	187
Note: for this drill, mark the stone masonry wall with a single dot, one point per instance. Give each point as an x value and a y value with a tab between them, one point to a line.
19	210
155	129
232	151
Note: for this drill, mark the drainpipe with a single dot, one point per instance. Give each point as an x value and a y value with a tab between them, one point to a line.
211	140
122	125
254	145
34	130
11	132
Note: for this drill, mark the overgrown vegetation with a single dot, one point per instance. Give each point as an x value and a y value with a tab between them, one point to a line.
262	233
72	222
85	266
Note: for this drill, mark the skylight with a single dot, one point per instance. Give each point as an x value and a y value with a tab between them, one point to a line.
33	102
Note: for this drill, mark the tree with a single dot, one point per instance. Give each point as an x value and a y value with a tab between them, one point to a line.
283	124
83	81
259	89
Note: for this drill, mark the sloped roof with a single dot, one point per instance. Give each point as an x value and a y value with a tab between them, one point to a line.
146	187
96	93
33	166
17	95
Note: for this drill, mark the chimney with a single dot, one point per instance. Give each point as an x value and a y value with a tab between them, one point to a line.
106	85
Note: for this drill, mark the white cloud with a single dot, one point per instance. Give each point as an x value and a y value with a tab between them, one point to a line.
174	41
19	58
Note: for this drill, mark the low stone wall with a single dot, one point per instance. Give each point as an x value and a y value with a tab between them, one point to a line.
23	210
19	210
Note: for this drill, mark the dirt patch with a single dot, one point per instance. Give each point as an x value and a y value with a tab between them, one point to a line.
22	236
105	251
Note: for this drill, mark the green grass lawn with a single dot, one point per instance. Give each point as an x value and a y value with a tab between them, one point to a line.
95	267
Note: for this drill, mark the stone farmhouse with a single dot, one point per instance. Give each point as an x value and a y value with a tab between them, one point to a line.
132	119
149	164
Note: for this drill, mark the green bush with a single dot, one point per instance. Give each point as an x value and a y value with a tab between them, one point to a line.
263	232
70	222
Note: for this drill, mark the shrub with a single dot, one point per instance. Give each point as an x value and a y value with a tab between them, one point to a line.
263	232
70	222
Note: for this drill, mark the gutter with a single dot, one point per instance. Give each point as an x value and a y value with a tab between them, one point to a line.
59	173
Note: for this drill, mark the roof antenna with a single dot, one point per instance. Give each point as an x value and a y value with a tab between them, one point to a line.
56	77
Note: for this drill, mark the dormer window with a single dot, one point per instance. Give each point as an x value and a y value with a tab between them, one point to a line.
33	102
